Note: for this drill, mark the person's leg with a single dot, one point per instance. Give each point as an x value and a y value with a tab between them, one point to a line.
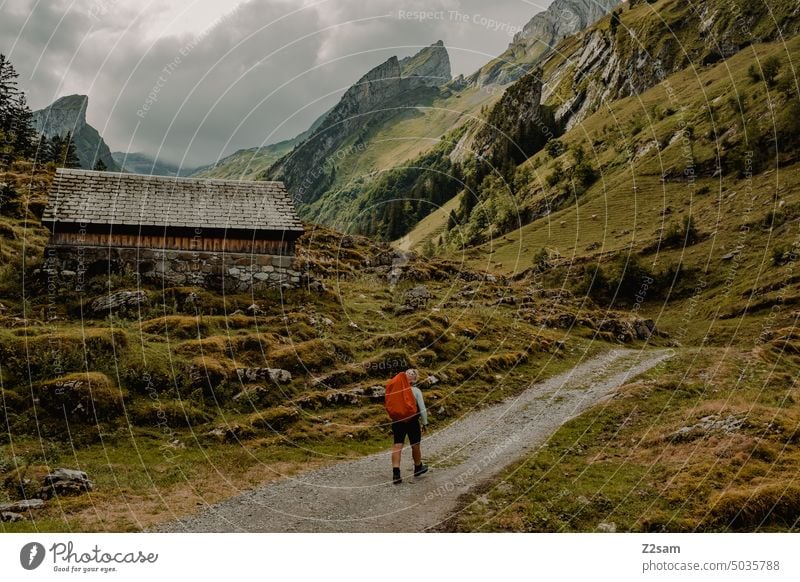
397	450
399	431
415	437
416	452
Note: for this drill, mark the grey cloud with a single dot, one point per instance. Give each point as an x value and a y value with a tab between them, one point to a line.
221	90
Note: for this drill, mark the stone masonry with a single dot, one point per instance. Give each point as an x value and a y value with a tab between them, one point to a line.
222	271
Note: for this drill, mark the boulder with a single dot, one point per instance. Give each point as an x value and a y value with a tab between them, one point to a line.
373	393
119	301
255	309
417	297
65	482
231	432
21	506
644	328
276	375
10	516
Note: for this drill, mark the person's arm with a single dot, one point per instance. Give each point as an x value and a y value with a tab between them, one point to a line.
423	412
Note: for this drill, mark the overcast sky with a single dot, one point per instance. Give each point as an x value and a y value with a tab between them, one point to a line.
194	80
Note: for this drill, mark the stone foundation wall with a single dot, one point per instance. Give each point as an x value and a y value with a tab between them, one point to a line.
228	272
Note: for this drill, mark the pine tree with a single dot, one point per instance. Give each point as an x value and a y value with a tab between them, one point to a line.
8	94
54	150
100	165
16	131
24	132
44	151
71	159
62	152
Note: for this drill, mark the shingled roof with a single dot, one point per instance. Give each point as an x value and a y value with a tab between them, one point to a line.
110	198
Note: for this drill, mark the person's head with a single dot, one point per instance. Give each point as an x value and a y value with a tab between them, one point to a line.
412	375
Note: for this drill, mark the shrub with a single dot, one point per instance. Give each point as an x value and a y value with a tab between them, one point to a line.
555	148
555	177
770	69
753	73
681	234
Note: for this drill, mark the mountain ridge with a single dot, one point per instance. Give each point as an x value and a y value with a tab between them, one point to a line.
68	114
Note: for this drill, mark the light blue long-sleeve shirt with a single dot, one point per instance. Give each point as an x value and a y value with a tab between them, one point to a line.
423	412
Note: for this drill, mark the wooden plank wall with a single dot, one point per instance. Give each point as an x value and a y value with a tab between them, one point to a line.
183	243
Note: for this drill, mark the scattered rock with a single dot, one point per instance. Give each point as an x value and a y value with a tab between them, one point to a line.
431	380
707	425
644	328
231	432
607	527
276	375
317	286
417	297
506	300
65	482
120	301
255	309
10	516
22	506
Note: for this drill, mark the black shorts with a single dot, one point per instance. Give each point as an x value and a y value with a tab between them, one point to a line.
401	428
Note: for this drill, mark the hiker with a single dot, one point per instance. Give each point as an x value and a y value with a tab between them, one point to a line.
406	408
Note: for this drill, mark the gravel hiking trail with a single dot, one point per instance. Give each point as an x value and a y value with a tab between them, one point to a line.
358	496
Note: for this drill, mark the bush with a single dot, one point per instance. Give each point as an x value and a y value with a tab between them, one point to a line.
556	176
681	234
753	73
770	69
555	148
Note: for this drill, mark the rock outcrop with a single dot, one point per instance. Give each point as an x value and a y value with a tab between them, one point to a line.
430	66
614	62
65	482
542	32
517	125
68	114
309	169
119	301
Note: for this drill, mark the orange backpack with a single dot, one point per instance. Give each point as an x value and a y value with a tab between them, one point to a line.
399	400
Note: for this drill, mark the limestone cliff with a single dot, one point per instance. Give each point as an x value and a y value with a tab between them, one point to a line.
618	59
68	114
309	169
543	32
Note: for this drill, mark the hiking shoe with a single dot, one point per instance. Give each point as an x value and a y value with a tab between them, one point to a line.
396	478
420	469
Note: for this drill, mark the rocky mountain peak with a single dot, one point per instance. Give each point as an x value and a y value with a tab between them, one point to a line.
375	97
65	114
542	32
431	65
68	114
